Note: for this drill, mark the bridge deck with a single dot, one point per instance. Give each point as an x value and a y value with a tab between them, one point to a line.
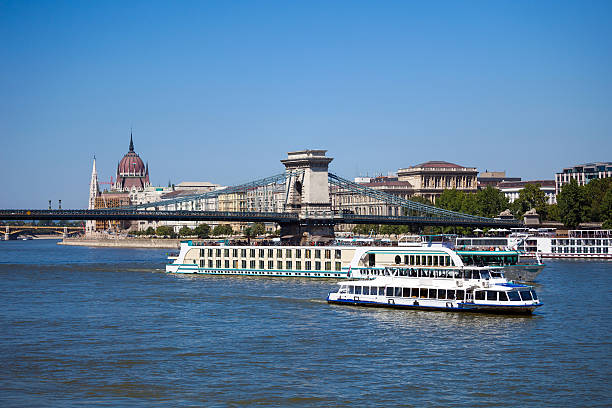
281	218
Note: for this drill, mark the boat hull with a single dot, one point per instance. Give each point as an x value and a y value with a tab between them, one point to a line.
446	306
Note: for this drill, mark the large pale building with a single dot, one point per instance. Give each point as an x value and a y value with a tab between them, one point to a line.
512	189
426	180
431	178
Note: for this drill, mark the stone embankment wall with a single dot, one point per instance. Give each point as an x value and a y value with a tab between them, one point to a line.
124	242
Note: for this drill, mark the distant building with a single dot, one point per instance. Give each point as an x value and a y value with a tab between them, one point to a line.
493	178
431	178
583	173
512	189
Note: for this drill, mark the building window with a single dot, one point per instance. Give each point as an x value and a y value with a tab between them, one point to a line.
298	253
261	264
317	253
288	253
270	264
328	254
327	265
298	265
308	253
308	265
338	266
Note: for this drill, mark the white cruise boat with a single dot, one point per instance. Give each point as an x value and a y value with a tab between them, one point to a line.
304	261
577	244
333	261
470	289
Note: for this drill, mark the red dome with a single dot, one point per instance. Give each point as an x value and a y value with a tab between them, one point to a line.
131	165
131	171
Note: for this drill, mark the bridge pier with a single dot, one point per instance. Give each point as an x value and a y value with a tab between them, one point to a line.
7	233
65	234
305	231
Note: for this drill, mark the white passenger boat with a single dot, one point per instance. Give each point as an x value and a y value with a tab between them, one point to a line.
470	289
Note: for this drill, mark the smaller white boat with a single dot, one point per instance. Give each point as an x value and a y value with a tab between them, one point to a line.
465	289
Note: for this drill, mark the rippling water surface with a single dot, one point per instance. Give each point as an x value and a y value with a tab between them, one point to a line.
106	327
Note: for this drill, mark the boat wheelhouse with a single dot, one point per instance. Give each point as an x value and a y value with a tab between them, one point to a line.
483	251
458	289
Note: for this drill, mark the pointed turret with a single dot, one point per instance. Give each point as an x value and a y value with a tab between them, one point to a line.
131	142
94	191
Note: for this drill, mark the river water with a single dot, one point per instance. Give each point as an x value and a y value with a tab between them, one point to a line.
106	327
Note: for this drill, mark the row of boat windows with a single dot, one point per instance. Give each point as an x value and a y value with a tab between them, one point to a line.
482	242
425	260
582	242
442	294
489	260
432	273
271	253
249	272
253	264
579	250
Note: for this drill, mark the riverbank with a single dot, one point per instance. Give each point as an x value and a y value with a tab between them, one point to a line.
162	243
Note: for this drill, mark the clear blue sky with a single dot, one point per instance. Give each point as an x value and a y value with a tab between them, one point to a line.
220	91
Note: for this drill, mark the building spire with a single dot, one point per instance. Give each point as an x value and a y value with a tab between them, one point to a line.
131	142
94	191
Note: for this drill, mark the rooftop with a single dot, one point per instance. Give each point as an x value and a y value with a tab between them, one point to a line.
511	184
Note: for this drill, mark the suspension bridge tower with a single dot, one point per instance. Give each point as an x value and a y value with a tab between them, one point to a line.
307	192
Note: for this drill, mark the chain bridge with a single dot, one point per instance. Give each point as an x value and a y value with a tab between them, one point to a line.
299	200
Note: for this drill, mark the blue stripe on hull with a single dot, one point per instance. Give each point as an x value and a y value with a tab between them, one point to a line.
463	307
271	273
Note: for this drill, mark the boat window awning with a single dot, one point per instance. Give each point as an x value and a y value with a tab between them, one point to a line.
490	253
